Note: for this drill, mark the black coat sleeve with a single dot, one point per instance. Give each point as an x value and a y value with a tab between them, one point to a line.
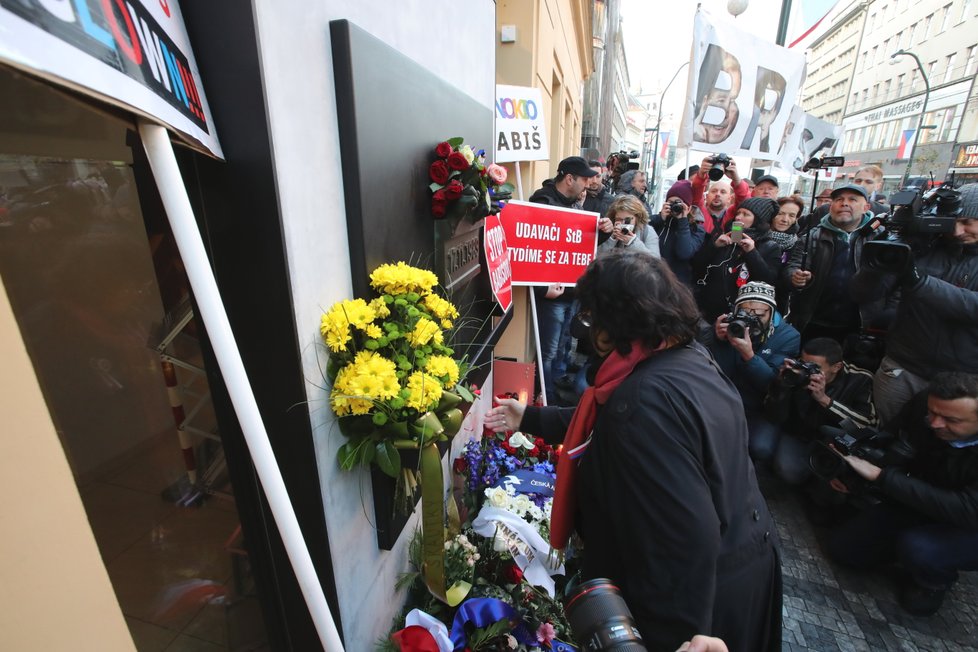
550	423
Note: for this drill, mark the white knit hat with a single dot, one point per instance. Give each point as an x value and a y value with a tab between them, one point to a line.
757	291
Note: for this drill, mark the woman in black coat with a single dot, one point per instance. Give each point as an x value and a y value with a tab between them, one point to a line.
663	492
723	264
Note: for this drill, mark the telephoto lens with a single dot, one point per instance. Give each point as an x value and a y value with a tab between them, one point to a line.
600	619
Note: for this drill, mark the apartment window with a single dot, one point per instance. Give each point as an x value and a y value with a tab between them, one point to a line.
913	79
900	80
862	61
947	129
949	71
965	11
872	22
926	31
969	67
947	19
910	36
872	58
876	91
930	70
886	89
885	50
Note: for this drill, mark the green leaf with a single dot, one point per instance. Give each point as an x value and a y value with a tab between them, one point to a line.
464	392
388	458
367	452
347	456
455	141
435	186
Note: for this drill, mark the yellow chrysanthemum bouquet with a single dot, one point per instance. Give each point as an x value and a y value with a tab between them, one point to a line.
394	380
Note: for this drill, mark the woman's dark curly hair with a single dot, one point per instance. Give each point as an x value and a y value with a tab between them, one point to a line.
632	295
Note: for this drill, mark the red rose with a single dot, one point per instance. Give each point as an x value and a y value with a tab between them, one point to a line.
443	149
534	452
512	574
457	161
539	443
438	209
459	465
509	449
439	172
453	190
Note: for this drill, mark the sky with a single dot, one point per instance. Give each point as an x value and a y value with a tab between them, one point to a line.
658	35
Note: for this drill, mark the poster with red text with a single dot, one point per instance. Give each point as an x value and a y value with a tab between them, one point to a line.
548	244
497	260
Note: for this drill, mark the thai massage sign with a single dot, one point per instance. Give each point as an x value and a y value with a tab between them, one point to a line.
134	52
521	134
548	244
497	260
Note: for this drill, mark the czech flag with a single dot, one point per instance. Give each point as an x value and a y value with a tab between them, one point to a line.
906	139
664	144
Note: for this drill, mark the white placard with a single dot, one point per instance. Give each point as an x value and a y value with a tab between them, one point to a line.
806	137
521	131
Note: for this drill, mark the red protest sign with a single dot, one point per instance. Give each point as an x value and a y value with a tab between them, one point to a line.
497	259
548	244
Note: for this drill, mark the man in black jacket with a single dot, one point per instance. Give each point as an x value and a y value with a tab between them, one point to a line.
798	404
936	323
928	520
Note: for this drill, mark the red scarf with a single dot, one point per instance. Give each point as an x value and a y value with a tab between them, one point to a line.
615	369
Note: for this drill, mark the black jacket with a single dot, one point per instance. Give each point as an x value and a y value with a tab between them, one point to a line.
670	511
940	481
679	240
936	323
599	203
548	194
815	252
798	413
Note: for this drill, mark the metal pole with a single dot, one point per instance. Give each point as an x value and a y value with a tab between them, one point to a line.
783	21
923	111
162	161
658	124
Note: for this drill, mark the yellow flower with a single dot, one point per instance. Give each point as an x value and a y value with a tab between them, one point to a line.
440	308
441	366
370	378
335	324
372	330
402	278
424	331
446	323
380	308
425	391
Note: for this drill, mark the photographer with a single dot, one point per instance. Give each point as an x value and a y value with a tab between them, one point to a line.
928	519
630	227
936	324
749	345
680	237
818	390
723	198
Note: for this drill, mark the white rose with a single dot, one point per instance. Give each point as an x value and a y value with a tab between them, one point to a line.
521	504
518	439
499	543
498	497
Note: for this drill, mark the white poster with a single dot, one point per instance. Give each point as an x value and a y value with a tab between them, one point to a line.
134	53
741	90
521	133
808	137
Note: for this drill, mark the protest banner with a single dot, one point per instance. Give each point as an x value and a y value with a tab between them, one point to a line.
521	133
806	137
497	260
741	90
548	244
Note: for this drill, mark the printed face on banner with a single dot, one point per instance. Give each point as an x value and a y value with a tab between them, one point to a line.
741	92
547	244
806	137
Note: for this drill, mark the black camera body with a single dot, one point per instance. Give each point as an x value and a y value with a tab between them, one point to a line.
798	373
676	208
720	163
875	446
742	323
621	162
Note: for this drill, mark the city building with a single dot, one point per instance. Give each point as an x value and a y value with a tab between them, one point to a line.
831	48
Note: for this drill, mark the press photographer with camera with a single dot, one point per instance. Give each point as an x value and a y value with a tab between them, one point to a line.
822	265
723	196
749	344
819	389
928	518
680	237
936	323
630	227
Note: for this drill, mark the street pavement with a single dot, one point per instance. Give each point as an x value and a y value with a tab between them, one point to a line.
828	607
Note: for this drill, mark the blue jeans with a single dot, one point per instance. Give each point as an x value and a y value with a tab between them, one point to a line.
551	317
932	553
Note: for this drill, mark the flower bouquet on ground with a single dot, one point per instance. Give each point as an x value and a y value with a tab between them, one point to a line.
462	183
505	588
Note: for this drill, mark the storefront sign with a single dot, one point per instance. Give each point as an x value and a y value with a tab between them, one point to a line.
966	156
135	53
521	133
942	98
497	259
548	244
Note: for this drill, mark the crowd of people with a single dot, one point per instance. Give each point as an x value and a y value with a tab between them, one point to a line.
734	332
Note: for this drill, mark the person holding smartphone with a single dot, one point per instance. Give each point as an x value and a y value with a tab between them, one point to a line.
630	229
742	252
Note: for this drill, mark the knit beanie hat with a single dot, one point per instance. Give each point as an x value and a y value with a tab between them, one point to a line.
682	189
757	291
969	200
764	210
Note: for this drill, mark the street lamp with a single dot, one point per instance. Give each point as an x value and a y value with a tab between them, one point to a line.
923	111
658	124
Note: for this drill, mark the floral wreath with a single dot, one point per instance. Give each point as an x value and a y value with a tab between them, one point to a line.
462	183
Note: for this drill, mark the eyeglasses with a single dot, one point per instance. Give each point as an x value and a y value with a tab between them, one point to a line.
757	312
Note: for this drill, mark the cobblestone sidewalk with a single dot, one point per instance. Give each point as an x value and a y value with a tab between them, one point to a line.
828	607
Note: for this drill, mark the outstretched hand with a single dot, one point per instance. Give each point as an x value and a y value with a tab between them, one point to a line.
507	415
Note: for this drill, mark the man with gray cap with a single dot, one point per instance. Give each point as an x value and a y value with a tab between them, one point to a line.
936	324
822	265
